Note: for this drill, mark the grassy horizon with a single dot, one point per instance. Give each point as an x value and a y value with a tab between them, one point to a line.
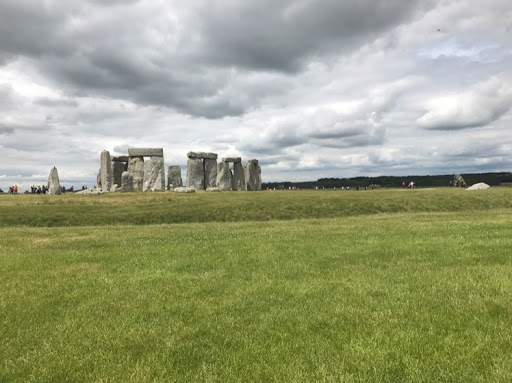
403	296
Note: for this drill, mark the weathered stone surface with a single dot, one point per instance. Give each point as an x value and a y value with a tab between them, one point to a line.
120	158
136	169
146	152
174	179
184	189
98	179
479	186
253	161
113	188
238	177
231	159
117	172
458	181
213	189
202	155
252	176
126	182
195	173
154	175
106	171
210	173
223	176
258	184
53	182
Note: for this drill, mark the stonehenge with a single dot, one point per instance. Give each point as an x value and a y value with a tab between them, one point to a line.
137	172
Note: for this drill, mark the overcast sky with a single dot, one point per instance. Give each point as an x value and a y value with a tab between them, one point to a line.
311	88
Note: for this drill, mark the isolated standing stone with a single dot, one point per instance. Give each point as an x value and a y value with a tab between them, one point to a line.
210	173
136	169
126	182
458	181
239	177
174	179
223	176
53	182
106	171
154	176
195	173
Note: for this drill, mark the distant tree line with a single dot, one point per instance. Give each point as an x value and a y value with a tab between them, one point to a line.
492	179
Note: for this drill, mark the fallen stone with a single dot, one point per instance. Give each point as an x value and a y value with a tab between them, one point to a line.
184	189
202	155
92	191
213	189
154	176
120	158
195	173
210	173
106	171
53	182
223	176
136	169
146	152
113	188
478	186
232	159
174	179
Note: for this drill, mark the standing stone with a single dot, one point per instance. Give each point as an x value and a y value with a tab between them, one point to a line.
195	173
210	173
258	183
154	176
126	182
136	169
174	179
251	176
117	172
239	177
458	181
53	182
223	176
106	171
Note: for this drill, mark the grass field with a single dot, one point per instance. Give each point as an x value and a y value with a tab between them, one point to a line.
291	286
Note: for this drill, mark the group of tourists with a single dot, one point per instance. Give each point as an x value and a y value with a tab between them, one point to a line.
39	189
13	189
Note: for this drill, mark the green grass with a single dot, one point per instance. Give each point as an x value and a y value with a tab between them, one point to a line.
409	286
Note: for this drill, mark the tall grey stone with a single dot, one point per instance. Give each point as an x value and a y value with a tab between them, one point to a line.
251	176
136	169
106	171
126	182
154	175
458	181
239	177
210	173
117	171
223	176
195	173
53	182
258	183
174	179
98	179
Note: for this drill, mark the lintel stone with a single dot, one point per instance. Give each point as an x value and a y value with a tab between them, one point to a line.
146	152
120	158
202	155
232	159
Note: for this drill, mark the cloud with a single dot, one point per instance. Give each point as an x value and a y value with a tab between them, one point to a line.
479	106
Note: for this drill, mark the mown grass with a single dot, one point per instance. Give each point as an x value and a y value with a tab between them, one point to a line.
414	296
157	208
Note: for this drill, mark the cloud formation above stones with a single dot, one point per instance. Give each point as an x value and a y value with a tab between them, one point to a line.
313	88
